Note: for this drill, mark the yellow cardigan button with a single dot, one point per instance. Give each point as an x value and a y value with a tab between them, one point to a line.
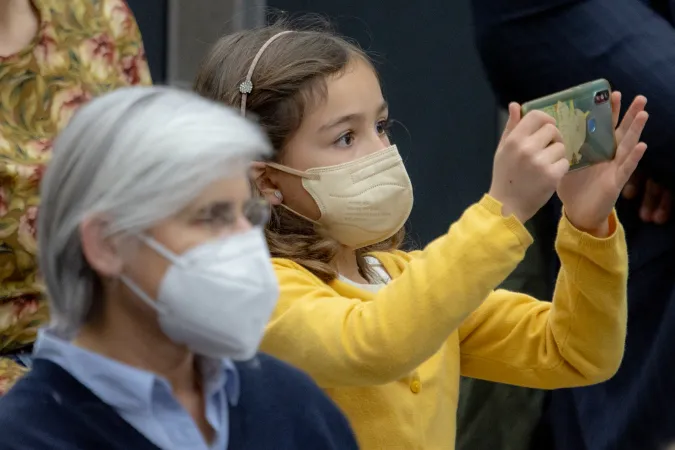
415	387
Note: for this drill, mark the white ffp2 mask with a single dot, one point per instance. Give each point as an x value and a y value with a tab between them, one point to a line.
216	298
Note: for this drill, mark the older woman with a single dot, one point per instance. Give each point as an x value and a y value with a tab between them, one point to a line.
159	278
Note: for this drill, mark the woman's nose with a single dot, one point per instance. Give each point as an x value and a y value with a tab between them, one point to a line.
241	225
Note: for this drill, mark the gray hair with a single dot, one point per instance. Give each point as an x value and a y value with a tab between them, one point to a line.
136	156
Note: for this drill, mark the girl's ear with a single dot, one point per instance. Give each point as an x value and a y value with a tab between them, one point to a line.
260	173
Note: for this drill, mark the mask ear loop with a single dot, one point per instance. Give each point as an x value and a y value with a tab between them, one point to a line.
246	86
291	171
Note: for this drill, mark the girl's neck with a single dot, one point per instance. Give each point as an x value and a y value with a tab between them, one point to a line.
346	264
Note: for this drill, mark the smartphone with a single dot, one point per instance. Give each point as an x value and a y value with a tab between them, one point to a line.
583	114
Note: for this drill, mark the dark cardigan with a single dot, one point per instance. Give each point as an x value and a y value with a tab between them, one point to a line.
279	408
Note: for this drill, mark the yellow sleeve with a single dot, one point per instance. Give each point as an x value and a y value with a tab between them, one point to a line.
576	340
348	341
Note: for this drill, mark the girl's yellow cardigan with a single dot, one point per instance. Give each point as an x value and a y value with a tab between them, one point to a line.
392	359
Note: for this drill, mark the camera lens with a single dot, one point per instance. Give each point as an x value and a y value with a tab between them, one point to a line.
601	97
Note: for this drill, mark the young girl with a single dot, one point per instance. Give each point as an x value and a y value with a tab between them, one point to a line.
388	333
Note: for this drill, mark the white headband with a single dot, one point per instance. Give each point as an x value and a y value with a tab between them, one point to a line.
246	86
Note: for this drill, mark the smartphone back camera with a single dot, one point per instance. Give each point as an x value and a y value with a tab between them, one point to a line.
601	97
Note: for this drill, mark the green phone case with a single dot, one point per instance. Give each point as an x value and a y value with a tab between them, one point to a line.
584	119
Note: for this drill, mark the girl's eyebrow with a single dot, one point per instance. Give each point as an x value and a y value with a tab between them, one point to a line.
340	121
349	117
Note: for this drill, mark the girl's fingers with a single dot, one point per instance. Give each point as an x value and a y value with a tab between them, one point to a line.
513	121
630	163
631	137
634	109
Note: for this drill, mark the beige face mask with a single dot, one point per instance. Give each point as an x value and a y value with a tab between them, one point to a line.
362	202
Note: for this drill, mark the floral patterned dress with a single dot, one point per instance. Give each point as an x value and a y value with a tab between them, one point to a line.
83	48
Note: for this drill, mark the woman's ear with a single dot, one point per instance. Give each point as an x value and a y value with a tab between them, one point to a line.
260	172
99	250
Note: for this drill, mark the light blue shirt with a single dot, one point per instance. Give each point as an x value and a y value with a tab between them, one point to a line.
144	399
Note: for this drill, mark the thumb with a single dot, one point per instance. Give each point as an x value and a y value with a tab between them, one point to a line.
514	120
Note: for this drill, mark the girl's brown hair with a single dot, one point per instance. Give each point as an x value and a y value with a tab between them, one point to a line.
290	74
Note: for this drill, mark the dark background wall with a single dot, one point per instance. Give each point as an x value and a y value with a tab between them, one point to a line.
151	16
432	79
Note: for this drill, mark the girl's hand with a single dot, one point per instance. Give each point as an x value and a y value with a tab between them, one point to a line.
590	194
529	163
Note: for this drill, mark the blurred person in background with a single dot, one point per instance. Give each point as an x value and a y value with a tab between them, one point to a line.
534	48
54	56
160	286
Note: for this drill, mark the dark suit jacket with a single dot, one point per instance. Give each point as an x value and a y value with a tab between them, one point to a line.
531	48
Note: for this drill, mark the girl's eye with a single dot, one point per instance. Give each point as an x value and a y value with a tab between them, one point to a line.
346	140
383	127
